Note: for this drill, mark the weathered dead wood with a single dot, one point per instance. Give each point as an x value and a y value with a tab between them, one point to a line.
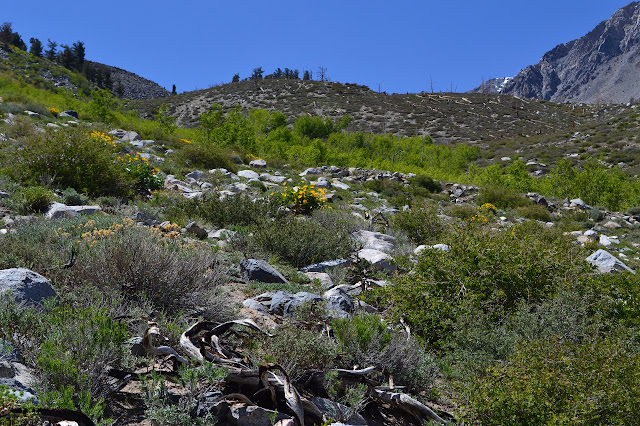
159	350
190	335
194	343
291	395
406	403
53	415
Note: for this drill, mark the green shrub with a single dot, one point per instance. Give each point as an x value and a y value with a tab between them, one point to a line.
203	155
502	197
555	381
462	211
487	269
421	183
36	199
149	267
386	187
77	345
70	158
364	339
239	210
422	225
35	245
634	211
313	127
72	197
596	214
535	212
296	349
301	241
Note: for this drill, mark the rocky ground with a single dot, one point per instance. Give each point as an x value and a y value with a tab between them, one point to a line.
242	396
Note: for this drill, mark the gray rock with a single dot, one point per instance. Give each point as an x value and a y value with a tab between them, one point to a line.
258	164
323	277
339	184
124	135
608	263
196	174
271	178
327	265
248	174
607	241
577	202
376	240
69	113
194	229
312	172
53	125
612	225
252	415
222	234
285	304
4	194
255	305
32	114
26	286
59	210
339	302
18	389
380	260
259	270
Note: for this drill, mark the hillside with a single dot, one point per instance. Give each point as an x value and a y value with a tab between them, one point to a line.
51	75
447	117
271	265
599	68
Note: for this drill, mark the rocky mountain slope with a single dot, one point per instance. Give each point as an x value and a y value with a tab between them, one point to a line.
601	67
446	117
134	86
492	86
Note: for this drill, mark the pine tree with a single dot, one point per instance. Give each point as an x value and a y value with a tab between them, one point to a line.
257	73
78	54
51	51
236	78
65	57
173	90
36	47
5	33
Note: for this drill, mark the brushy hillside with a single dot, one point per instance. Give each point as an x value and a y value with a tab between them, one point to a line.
501	126
302	269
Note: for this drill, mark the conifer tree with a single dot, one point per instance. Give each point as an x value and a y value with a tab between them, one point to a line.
236	78
78	54
51	51
36	47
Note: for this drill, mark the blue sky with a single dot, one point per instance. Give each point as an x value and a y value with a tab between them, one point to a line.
401	45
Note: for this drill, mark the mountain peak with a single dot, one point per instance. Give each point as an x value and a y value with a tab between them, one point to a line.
600	67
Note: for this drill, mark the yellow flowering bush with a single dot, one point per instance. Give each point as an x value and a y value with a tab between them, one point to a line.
53	111
185	140
139	168
479	218
488	208
304	199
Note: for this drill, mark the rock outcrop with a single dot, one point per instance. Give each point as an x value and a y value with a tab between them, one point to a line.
601	67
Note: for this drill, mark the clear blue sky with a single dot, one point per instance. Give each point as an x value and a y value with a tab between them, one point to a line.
399	44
